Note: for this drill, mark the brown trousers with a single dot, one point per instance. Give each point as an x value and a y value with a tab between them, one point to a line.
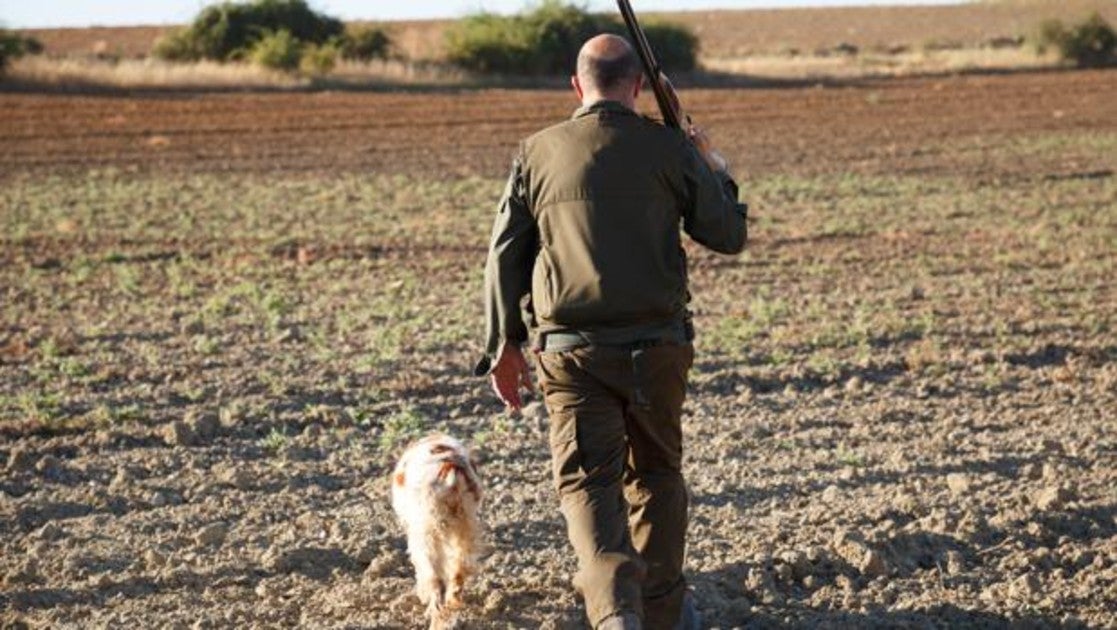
616	450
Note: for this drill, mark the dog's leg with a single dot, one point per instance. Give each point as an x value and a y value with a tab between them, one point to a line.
428	586
428	583
441	609
460	567
432	592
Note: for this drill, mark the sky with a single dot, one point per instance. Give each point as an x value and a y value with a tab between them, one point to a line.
54	13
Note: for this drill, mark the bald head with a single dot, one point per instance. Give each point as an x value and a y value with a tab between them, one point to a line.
608	68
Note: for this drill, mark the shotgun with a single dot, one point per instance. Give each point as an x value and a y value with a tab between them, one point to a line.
665	94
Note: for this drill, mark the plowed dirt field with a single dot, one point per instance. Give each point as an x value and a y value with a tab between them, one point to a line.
223	315
942	125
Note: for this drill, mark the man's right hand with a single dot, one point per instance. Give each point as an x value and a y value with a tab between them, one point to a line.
509	374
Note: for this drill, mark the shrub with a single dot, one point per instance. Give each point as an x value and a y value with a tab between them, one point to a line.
178	45
1089	43
14	46
557	31
675	46
318	60
30	46
546	40
365	44
489	43
279	51
1048	35
227	31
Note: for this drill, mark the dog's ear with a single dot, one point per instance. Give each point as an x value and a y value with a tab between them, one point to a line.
399	479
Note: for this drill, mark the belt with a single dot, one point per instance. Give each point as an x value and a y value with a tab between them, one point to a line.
562	341
565	341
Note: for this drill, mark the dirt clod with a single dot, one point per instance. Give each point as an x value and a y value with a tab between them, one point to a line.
872	564
1053	497
179	433
193	327
797	560
26	574
958	483
237	477
955	562
1025	587
21	459
831	494
203	424
155	559
211	535
48	465
49	532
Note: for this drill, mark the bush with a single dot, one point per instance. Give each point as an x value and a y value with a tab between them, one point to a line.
489	43
1048	35
279	51
14	46
546	41
318	60
1089	43
365	44
556	34
676	47
178	45
228	31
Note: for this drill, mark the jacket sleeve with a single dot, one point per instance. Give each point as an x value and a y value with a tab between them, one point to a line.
712	215
512	251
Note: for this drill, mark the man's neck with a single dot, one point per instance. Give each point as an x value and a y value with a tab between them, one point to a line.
590	102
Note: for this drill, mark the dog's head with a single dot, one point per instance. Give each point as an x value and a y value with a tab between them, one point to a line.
439	464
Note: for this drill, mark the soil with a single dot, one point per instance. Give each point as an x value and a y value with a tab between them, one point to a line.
883	126
954	467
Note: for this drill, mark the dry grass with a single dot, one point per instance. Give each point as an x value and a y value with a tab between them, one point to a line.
152	73
148	73
395	71
875	65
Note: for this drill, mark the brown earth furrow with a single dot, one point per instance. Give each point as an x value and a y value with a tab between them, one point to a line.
767	123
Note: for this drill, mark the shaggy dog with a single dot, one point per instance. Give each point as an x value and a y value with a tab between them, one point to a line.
436	494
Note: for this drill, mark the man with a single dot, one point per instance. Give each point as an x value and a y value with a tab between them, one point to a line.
588	227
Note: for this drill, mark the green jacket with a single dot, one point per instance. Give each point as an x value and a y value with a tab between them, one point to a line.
586	237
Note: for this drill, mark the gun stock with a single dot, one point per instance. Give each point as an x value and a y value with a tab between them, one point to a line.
665	95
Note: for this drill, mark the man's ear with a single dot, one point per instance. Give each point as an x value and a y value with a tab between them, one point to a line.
577	85
639	84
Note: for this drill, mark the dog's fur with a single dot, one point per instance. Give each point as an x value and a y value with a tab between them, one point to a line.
436	494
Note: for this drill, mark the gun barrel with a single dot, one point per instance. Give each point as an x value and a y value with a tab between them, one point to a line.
651	66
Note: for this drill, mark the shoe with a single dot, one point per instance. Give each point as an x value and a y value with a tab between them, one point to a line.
623	621
689	617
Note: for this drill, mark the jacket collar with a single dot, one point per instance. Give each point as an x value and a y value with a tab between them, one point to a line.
602	106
